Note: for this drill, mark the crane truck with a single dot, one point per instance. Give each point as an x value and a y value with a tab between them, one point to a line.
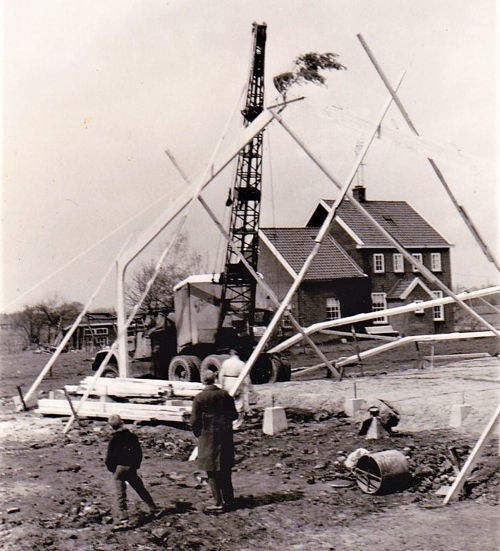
212	315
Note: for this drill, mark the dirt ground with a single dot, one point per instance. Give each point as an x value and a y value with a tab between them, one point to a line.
56	493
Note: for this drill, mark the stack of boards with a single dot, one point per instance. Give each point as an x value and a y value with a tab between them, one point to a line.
132	399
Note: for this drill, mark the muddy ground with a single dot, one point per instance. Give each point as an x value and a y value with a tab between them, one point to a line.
56	493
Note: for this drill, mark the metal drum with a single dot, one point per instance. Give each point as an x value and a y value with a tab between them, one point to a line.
382	471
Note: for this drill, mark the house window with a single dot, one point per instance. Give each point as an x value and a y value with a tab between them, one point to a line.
398	263
436	262
286	322
438	311
419	257
379	302
332	309
378	263
418	310
95	331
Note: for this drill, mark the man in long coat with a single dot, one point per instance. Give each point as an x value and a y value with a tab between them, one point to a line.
211	420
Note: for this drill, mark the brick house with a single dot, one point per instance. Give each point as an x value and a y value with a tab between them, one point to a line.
393	281
334	287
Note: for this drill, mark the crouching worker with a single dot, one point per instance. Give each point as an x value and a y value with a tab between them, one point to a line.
211	420
123	459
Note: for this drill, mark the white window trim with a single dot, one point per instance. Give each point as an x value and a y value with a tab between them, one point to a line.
333	307
381	298
420	258
438	311
380	257
436	265
401	268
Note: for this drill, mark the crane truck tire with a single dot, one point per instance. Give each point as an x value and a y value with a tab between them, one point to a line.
281	370
111	370
184	368
213	363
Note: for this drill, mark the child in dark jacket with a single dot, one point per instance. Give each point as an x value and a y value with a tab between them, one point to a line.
123	459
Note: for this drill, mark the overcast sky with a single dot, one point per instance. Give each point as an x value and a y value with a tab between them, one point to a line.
96	91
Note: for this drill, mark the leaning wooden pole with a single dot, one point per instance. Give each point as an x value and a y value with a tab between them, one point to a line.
265	119
409	257
266	287
468	222
398	310
325	228
254	274
473	458
69	334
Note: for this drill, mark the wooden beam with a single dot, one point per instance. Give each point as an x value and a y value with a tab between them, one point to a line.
387	312
137	412
68	335
477	236
323	231
473	458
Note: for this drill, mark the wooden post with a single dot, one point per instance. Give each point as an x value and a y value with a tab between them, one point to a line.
72	408
358	351
19	390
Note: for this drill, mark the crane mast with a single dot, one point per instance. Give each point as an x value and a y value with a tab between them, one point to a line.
238	285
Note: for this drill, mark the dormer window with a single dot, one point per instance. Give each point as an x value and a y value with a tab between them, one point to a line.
378	263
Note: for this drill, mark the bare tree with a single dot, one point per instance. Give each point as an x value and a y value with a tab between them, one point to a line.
181	263
41	322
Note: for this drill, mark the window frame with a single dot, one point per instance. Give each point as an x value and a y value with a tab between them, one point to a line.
398	269
383	302
420	258
438	311
380	257
436	266
334	310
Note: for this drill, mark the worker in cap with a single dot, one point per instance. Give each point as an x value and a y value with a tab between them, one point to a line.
212	416
123	459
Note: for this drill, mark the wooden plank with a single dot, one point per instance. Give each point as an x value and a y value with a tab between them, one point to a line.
464	356
136	412
473	458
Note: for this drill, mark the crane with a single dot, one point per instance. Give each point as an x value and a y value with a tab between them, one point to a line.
238	285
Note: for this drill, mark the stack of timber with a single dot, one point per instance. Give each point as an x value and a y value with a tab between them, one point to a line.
132	399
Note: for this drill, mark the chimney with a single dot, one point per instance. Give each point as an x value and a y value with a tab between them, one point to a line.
359	193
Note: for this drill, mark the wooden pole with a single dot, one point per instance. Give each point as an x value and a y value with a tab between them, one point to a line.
266	287
185	200
473	458
475	232
408	256
68	335
325	228
254	274
73	412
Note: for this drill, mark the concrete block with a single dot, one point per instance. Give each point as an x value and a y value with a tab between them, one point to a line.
31	403
353	406
274	421
458	414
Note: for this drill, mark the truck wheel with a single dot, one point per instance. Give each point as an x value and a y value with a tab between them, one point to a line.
110	372
262	370
281	370
184	368
213	363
